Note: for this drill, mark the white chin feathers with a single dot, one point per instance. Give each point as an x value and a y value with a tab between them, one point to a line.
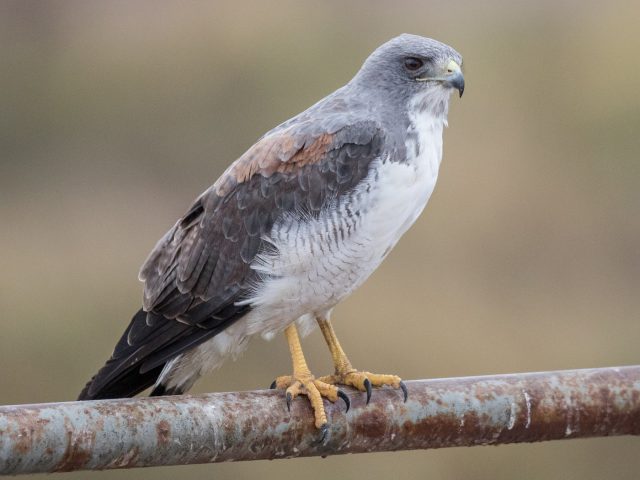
434	100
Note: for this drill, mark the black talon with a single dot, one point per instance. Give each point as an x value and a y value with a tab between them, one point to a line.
403	387
367	386
324	432
273	385
289	398
344	397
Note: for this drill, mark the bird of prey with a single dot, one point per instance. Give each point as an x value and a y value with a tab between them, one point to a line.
290	229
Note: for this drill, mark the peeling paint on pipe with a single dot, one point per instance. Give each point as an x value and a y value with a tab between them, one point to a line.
218	427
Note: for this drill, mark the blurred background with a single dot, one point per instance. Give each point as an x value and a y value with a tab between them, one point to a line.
116	115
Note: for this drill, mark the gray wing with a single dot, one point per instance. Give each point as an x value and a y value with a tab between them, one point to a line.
199	270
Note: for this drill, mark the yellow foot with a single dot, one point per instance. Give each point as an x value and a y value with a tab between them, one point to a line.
363	381
314	389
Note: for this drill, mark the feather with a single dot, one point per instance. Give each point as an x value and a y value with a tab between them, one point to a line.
200	270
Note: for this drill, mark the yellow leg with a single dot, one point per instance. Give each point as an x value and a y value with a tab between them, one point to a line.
345	374
302	382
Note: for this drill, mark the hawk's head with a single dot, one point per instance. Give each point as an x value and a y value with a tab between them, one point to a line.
417	69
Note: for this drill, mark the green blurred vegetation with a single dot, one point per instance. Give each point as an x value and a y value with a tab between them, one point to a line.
115	115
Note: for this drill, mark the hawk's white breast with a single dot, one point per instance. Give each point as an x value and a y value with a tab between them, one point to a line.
321	261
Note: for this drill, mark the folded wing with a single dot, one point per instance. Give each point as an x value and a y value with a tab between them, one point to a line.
199	270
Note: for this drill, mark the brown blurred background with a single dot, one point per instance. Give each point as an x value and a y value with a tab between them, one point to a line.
115	115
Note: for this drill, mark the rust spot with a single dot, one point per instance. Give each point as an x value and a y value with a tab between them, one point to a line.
22	440
77	453
99	424
163	432
370	423
127	460
29	431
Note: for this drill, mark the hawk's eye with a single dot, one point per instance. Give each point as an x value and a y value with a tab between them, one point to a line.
412	63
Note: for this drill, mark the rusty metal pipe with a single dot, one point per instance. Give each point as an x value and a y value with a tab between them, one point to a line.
219	427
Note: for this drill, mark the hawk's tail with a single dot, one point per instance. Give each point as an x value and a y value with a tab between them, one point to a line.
150	343
120	376
127	386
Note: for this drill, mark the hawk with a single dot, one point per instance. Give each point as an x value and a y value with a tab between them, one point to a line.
290	229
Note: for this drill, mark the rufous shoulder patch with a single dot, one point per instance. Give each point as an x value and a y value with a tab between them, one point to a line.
275	153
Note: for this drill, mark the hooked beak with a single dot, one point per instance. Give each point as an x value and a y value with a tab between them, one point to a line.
454	77
451	77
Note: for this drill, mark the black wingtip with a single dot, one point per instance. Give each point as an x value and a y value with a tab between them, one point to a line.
158	391
84	394
162	391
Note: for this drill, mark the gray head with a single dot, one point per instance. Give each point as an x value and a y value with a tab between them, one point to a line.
413	70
